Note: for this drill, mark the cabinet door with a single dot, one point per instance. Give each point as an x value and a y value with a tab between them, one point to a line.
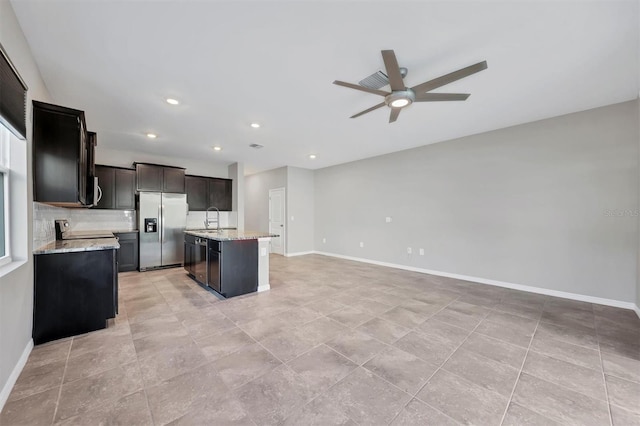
55	156
220	194
107	183
173	180
149	177
128	253
83	167
125	184
197	193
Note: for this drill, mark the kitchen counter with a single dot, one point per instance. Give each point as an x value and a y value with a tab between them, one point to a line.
229	234
69	246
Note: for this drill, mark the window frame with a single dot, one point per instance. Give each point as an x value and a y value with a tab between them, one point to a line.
5	170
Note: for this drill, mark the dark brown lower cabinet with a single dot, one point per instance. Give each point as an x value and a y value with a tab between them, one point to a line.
128	253
74	293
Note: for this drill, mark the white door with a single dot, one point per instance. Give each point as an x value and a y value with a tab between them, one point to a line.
277	219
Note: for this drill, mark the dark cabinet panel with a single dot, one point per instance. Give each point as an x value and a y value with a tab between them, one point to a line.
128	253
125	193
149	177
197	192
204	192
107	182
220	194
173	180
153	177
118	188
60	158
74	293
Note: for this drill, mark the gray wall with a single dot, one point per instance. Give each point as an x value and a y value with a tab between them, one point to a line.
638	258
541	204
300	210
256	200
16	287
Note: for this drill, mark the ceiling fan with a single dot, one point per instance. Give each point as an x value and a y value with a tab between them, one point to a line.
402	96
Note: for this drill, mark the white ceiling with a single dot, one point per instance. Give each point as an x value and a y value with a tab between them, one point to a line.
232	63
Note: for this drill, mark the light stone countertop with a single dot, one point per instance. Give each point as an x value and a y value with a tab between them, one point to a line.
230	234
69	246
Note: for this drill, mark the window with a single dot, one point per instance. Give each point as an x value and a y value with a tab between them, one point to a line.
5	143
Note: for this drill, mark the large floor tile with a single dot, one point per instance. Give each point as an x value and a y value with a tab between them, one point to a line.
92	392
382	330
89	363
482	371
218	345
322	366
429	348
38	378
571	376
624	393
495	349
517	415
272	397
402	369
170	362
227	411
128	410
36	409
625	368
350	316
49	352
564	351
367	399
417	413
357	346
319	412
462	400
559	403
622	417
239	368
179	395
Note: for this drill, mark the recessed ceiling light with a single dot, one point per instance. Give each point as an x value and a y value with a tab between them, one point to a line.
255	125
172	101
312	156
217	148
152	135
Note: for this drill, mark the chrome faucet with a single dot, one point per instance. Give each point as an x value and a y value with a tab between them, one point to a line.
207	221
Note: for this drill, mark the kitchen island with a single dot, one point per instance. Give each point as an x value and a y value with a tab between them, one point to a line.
229	262
75	287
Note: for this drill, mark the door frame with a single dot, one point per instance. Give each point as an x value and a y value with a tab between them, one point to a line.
283	234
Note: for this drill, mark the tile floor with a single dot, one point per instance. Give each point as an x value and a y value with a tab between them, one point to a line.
338	342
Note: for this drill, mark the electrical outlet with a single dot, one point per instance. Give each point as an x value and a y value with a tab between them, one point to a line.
421	252
361	244
388	219
324	240
409	251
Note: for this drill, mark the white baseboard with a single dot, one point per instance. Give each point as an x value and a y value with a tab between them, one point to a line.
530	289
300	253
637	309
13	377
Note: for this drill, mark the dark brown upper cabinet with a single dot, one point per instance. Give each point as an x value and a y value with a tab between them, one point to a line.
60	156
118	188
153	177
204	192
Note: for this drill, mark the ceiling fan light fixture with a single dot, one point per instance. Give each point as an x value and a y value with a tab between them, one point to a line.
399	103
152	135
172	101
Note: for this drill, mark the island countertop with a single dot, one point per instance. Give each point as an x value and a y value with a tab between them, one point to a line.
229	234
68	246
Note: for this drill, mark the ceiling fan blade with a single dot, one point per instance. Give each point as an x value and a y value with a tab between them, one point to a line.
439	97
450	78
361	88
380	105
395	112
393	70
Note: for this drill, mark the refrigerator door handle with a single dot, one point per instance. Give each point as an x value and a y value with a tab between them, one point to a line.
161	224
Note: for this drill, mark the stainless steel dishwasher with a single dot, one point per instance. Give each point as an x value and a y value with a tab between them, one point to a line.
200	261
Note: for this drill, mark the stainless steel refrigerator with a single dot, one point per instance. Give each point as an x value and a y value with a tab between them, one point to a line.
162	219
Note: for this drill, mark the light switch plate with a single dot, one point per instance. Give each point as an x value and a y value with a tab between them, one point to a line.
263	251
388	219
361	244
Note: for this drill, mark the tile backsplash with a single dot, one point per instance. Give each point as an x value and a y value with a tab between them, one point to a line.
195	220
44	216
